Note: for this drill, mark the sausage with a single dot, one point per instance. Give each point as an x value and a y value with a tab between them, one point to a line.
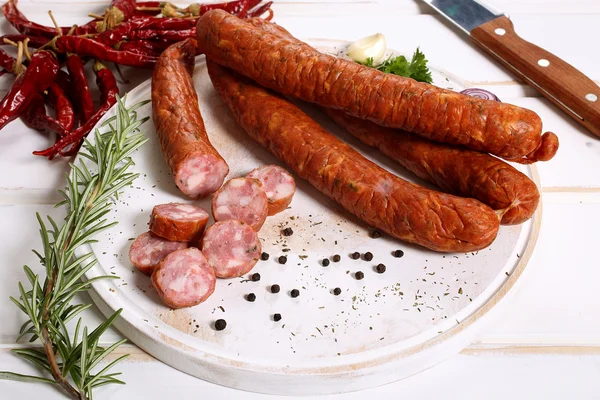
278	184
178	221
231	247
458	171
183	279
295	69
195	164
438	221
243	199
455	170
147	250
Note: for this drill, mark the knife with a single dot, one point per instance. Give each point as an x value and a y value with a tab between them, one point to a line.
560	82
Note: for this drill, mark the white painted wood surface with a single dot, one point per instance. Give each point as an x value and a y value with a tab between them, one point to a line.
547	342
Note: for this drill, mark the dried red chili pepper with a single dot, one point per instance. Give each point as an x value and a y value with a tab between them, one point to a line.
7	61
24	25
261	10
167	35
149	48
62	105
126	30
108	96
117	12
86	47
80	90
35	117
238	8
38	76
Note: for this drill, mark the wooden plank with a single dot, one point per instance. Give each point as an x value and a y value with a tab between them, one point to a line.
554	302
480	375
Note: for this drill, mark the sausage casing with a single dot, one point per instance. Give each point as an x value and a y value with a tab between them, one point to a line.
296	69
438	221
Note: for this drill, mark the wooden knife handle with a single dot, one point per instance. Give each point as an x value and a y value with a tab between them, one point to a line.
563	84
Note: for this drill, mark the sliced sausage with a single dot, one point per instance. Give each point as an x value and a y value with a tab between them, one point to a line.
463	172
147	250
231	247
406	211
296	69
184	278
278	184
178	221
243	199
196	166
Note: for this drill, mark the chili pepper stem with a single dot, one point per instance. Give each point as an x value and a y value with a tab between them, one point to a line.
58	30
73	28
96	16
10	42
19	63
26	49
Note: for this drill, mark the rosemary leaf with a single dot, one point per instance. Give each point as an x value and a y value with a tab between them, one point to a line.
101	174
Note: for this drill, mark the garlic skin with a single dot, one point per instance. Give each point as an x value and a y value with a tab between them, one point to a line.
373	46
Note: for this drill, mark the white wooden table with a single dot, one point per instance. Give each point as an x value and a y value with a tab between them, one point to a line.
547	342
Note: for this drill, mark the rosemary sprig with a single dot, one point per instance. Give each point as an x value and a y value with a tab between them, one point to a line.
92	187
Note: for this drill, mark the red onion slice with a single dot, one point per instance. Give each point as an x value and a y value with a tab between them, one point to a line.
481	94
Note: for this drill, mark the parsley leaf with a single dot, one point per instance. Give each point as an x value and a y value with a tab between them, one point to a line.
416	69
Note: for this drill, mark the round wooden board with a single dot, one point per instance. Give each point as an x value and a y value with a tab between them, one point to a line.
425	308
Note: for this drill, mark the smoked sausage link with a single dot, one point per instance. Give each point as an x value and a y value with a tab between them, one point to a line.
196	166
438	221
459	171
296	69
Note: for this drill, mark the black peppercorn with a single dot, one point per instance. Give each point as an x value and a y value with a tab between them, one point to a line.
336	258
295	293
276	317
325	262
282	259
288	232
255	277
355	255
368	256
375	234
275	288
359	275
398	253
264	256
337	291
220	324
251	297
380	268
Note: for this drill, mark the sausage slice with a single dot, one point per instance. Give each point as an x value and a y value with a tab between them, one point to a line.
184	278
243	199
147	250
178	221
279	185
231	247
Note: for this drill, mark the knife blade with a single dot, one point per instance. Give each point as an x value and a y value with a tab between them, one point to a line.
560	82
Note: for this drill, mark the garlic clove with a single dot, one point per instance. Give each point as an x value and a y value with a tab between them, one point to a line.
373	46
